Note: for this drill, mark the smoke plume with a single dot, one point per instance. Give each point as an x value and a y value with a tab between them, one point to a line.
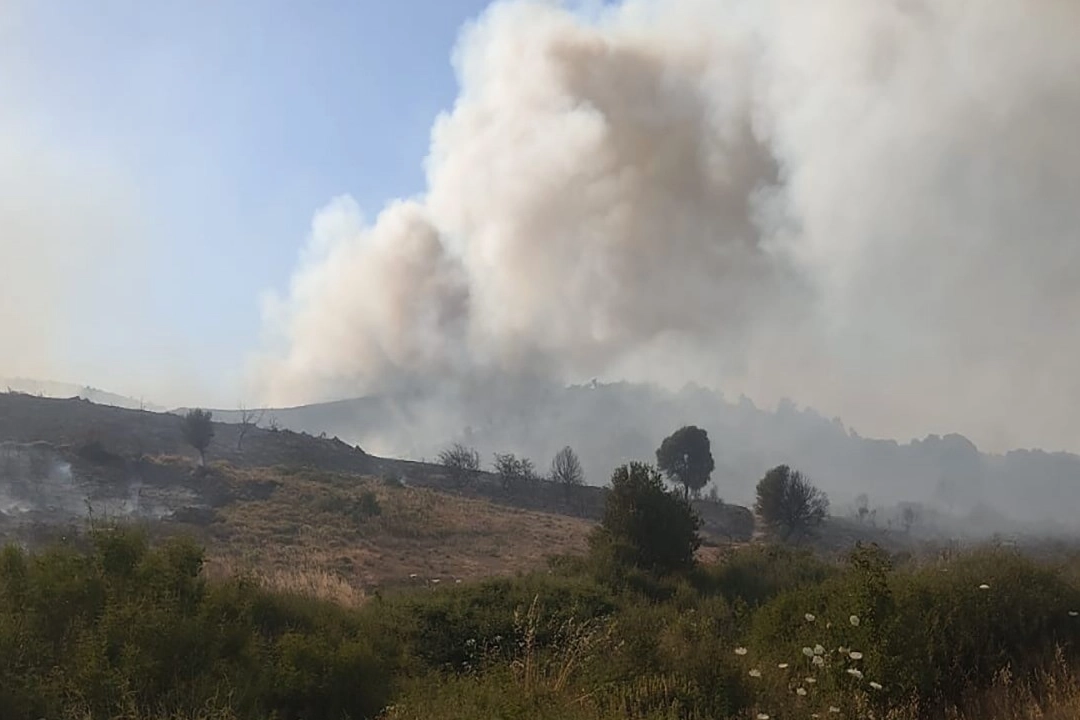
870	207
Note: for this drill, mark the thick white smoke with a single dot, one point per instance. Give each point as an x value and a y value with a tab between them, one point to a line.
866	205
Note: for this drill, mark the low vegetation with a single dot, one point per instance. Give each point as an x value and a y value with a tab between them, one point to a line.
108	626
326	596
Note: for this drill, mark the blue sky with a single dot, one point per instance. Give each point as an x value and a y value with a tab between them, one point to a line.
233	122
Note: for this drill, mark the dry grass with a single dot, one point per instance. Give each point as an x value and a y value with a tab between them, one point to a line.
317	533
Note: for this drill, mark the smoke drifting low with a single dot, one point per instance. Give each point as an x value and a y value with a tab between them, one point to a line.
866	206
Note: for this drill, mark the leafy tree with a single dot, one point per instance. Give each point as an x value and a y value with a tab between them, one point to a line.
645	524
788	504
513	470
566	469
686	458
198	428
462	463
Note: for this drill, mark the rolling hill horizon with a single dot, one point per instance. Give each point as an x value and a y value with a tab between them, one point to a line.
608	424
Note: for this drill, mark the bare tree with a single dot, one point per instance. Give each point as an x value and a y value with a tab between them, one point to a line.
462	463
910	515
566	469
248	420
862	506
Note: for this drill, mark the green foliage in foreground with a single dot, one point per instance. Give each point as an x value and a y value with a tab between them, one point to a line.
123	630
118	629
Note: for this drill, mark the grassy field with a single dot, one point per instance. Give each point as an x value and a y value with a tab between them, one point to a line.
324	530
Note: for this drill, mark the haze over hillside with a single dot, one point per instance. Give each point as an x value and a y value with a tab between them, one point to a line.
867	207
612	424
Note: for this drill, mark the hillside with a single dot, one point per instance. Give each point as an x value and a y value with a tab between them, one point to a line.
608	424
287	504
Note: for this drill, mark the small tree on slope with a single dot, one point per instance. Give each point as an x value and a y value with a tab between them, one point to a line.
198	428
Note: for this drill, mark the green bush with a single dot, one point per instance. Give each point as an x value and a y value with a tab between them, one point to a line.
127	629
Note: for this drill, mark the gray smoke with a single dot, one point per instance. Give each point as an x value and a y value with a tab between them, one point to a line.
866	206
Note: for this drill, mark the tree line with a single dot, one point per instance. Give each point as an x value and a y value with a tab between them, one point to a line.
644	517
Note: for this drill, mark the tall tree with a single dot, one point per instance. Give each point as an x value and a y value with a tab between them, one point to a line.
645	524
686	458
566	469
198	429
789	505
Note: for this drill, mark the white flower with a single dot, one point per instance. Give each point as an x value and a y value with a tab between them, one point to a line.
842	650
854	620
740	651
801	692
875	685
810	680
855	655
984	586
412	576
834	709
808	652
762	716
814	715
819	650
783	666
809	617
755	673
435	581
818	660
854	672
1073	613
458	581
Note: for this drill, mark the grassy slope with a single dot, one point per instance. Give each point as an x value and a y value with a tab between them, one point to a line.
317	528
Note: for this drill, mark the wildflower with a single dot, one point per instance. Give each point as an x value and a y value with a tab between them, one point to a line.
842	650
458	581
854	620
809	617
819	650
810	680
762	716
434	581
740	651
855	655
833	709
801	692
984	586
783	666
855	672
814	715
818	660
875	685
412	576
1073	613
755	673
808	652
